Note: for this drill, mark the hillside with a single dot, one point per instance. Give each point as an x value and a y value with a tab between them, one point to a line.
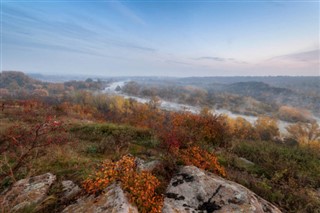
18	84
14	80
97	140
248	98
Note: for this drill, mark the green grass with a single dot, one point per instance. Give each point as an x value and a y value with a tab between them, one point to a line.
284	175
96	132
301	164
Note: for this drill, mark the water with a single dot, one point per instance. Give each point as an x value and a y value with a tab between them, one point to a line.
173	106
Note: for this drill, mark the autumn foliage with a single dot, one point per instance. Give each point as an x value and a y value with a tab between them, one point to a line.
306	134
141	185
201	158
20	142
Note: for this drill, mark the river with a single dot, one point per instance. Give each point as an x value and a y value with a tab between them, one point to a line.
173	106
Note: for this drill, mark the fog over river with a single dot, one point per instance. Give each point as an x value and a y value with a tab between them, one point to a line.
172	106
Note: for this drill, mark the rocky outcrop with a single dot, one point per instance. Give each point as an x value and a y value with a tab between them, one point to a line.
191	190
112	200
26	192
194	190
70	190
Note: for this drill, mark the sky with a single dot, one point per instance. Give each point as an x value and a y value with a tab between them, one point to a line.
161	38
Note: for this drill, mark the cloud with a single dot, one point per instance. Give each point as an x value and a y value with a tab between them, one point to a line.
35	30
125	11
17	13
309	56
219	59
21	20
210	58
134	46
178	62
298	63
52	47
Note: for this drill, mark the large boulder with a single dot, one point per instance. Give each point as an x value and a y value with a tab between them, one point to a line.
26	192
112	200
194	190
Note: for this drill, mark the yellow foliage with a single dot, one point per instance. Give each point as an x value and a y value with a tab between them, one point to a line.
306	134
203	159
293	114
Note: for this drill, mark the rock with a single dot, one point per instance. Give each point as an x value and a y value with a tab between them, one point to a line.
149	166
245	161
194	190
113	200
26	192
70	190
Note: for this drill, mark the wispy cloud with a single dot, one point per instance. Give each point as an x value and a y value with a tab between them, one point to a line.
17	13
27	29
129	45
309	56
52	47
19	20
210	58
220	59
178	62
130	14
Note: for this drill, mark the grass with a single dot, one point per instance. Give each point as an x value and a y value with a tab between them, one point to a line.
96	132
288	176
67	162
284	175
301	164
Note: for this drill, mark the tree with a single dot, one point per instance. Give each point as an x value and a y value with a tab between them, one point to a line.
267	128
131	88
240	128
89	80
154	102
40	92
118	88
293	114
305	133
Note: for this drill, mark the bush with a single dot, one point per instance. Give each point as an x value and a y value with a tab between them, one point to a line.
141	186
20	144
202	159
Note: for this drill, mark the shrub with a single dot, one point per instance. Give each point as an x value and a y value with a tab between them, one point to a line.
202	159
20	142
267	128
306	134
141	186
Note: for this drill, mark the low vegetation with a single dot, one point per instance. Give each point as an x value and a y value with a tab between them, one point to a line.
141	185
92	139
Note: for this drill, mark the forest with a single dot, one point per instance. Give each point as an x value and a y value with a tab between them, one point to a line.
76	131
290	99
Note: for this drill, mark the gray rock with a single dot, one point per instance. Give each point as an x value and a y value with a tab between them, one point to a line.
70	190
194	190
149	166
246	161
25	192
113	200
